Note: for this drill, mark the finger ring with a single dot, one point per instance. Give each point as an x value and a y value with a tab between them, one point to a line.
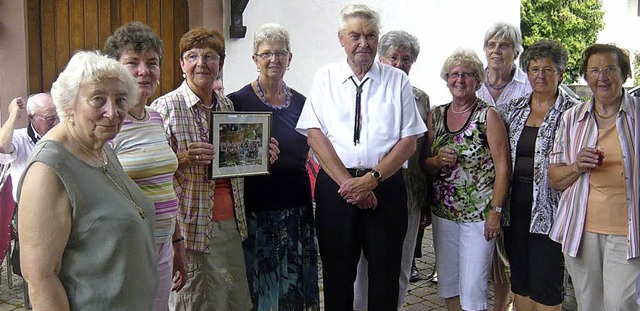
197	157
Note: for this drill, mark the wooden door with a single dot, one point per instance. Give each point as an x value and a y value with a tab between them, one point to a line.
58	28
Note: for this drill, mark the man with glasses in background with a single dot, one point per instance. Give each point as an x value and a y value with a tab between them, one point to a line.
16	144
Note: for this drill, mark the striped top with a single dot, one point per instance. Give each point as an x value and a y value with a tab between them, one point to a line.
184	123
146	157
577	130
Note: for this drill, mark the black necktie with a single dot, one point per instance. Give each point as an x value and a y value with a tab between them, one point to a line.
357	125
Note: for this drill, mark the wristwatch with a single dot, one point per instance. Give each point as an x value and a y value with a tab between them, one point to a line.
497	209
376	175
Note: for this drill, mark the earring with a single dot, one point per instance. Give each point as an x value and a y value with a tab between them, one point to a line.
184	75
71	121
257	69
288	67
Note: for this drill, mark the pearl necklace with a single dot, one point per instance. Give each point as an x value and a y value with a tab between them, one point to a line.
463	111
287	93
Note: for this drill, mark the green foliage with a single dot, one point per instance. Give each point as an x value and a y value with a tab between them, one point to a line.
574	23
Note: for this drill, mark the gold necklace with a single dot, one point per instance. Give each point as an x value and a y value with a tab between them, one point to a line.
141	212
603	117
104	159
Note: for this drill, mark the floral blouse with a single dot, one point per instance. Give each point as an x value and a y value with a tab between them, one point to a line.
545	199
462	192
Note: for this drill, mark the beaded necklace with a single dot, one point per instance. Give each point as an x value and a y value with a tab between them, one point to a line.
144	115
287	93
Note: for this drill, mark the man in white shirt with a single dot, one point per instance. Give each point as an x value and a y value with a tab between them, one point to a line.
16	144
361	202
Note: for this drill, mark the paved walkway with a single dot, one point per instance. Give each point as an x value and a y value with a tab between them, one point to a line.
422	295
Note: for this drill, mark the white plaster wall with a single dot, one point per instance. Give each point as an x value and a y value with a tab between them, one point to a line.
440	25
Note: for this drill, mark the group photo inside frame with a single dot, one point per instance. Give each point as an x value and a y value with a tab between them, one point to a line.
241	142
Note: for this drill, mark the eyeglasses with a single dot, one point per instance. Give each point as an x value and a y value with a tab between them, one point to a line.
278	55
502	46
48	119
456	75
406	61
606	71
546	70
206	57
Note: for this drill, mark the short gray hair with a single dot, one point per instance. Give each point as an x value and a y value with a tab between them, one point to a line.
36	101
87	67
359	10
464	57
271	33
545	48
399	39
506	31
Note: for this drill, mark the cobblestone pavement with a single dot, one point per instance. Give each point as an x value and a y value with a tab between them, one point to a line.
421	296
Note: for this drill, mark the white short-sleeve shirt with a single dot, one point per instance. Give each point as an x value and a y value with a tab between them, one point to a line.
22	148
388	112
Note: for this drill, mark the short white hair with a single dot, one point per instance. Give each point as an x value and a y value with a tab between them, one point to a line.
36	101
86	67
359	10
271	33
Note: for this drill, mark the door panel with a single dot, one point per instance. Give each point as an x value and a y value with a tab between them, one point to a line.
58	28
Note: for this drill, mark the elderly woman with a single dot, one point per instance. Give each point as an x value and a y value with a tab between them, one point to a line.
280	252
400	49
595	163
468	154
144	153
86	229
536	261
505	82
211	212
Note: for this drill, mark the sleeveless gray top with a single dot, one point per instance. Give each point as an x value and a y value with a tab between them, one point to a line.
109	262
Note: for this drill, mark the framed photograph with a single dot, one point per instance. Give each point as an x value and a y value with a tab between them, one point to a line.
241	141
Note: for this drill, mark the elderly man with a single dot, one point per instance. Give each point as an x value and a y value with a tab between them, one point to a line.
16	145
362	123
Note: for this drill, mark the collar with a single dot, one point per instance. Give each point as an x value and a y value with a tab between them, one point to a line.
33	135
345	72
190	98
588	108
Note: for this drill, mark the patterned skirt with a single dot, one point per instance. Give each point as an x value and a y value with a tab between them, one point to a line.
282	260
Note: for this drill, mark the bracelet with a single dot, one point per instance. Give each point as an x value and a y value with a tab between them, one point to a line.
178	240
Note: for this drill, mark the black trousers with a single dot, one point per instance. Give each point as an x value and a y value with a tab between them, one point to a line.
344	230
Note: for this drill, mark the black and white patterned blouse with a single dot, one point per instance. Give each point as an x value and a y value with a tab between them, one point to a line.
545	199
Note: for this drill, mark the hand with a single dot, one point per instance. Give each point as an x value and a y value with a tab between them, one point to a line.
425	218
446	156
200	153
369	202
17	107
587	159
274	151
179	266
492	225
356	189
